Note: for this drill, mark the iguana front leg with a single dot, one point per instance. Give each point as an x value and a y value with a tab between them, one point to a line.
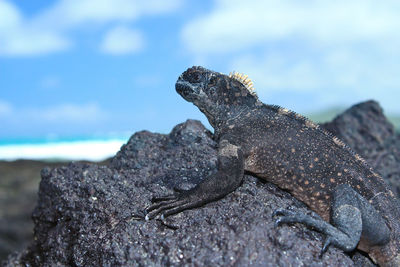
228	177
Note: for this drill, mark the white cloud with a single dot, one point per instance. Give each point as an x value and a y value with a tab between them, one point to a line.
68	13
9	15
236	24
338	51
26	42
122	40
275	72
50	82
17	37
49	30
84	113
59	114
149	80
5	108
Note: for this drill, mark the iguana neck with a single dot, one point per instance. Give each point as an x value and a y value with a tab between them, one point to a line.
226	117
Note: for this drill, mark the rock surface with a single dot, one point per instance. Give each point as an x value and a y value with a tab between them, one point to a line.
367	131
19	184
86	213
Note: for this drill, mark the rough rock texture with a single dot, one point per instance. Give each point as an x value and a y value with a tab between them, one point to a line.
86	214
19	184
365	128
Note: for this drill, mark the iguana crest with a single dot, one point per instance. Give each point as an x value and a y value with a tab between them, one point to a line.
244	79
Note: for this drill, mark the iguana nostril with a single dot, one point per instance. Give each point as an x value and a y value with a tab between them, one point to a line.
182	89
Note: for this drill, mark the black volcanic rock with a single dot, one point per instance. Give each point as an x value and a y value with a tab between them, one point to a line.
365	129
19	184
86	214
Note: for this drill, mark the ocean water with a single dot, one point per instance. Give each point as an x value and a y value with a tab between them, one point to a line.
54	149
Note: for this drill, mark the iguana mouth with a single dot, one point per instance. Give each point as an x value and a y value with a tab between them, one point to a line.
183	88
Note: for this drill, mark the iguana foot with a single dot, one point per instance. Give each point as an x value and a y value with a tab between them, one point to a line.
334	236
166	205
351	216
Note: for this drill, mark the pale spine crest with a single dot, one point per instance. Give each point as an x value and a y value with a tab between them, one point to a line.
243	79
310	124
283	111
338	142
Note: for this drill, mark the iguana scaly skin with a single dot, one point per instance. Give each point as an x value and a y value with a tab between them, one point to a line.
297	155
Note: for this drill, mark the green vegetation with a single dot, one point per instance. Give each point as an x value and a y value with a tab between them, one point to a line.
330	114
395	119
325	115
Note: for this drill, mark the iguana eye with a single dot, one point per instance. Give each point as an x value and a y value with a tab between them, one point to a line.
212	81
196	77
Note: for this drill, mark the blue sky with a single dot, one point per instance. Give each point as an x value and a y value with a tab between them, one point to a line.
97	67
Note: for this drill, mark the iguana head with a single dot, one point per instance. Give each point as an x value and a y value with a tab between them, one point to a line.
214	93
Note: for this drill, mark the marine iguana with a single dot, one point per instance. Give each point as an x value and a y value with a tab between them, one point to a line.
297	155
